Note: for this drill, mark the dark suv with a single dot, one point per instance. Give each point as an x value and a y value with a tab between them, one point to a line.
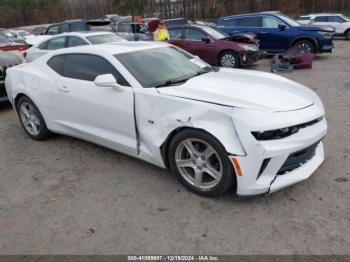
278	32
78	25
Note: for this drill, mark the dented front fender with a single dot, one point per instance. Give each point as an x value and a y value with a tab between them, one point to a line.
158	116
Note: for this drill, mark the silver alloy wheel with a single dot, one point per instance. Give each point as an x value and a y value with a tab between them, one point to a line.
30	118
199	163
228	60
304	47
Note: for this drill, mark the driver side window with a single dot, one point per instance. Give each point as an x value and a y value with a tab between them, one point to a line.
271	22
193	34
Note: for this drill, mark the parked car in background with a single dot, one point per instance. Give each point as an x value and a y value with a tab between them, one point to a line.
40	30
71	40
132	31
21	34
9	35
278	33
78	25
7	60
339	22
175	22
10	46
213	46
216	128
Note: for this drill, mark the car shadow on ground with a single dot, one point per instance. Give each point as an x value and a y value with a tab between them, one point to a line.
5	106
160	175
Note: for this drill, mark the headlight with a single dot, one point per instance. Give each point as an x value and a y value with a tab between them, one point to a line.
283	132
249	47
325	33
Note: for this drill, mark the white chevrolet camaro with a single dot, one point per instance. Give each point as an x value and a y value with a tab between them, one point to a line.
216	129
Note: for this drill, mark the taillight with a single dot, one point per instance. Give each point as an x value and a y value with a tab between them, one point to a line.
15	48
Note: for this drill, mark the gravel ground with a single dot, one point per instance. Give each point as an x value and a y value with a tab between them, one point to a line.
66	196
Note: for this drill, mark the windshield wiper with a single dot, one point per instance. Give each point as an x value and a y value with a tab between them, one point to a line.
173	82
184	80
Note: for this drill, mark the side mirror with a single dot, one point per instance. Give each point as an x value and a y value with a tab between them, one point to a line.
206	40
108	80
281	27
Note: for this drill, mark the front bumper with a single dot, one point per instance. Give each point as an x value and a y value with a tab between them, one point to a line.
249	57
326	45
261	166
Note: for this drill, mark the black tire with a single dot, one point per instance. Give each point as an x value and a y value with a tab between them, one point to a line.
305	46
227	178
226	56
347	34
43	133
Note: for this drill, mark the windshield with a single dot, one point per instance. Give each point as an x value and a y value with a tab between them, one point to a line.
214	33
347	19
23	33
162	66
102	39
288	20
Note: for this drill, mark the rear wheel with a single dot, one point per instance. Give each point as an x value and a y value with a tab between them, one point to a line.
229	59
347	34
32	120
201	163
305	46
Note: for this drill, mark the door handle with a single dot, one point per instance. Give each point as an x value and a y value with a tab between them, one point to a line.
63	89
263	32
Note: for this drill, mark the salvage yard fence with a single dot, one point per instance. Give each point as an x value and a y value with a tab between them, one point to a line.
14	13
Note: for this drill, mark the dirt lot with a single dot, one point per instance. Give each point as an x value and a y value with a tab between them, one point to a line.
66	196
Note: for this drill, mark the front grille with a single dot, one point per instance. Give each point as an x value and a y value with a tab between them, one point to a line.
298	159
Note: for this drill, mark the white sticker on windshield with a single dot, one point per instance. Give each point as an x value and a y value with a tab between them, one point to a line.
199	63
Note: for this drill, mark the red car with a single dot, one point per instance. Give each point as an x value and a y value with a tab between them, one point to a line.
214	47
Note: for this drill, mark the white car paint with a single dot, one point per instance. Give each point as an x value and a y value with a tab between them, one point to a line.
35	51
340	27
229	104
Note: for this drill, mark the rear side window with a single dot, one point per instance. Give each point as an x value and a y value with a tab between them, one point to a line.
228	22
254	21
88	67
175	33
76	41
64	28
321	19
79	26
43	46
57	64
56	43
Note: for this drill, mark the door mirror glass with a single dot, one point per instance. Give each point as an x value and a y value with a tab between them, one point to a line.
108	80
206	40
282	27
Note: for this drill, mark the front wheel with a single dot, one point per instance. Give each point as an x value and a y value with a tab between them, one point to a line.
305	46
31	119
229	59
201	163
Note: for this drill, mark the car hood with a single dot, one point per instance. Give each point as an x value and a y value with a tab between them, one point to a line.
245	89
317	28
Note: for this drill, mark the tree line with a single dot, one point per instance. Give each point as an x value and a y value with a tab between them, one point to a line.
15	13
